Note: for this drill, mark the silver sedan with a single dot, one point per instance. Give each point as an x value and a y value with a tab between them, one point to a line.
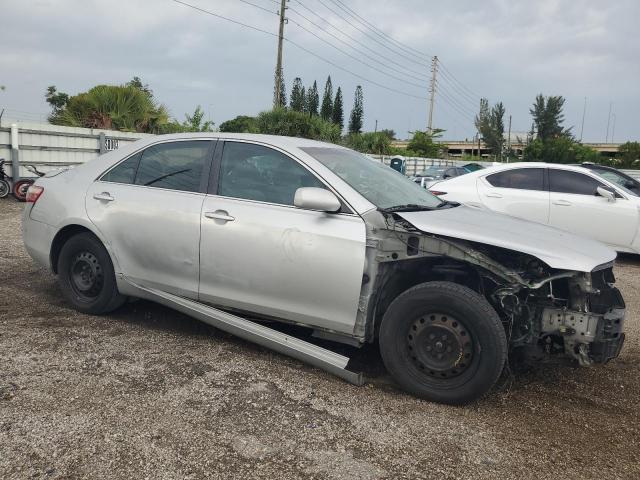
237	229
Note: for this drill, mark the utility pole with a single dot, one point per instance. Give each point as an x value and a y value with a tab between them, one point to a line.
584	111
509	141
278	83
613	129
432	91
606	139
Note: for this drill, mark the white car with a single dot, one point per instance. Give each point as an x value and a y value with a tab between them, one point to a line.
568	197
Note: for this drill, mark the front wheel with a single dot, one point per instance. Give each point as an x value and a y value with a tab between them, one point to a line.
86	275
20	189
4	188
443	342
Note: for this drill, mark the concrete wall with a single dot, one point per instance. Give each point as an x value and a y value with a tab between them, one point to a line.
51	146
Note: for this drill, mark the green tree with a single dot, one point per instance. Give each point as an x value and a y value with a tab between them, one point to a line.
196	123
313	99
548	117
57	100
490	124
357	113
297	100
303	94
337	115
283	93
369	142
137	83
389	133
629	154
117	107
326	110
297	124
559	150
422	143
240	124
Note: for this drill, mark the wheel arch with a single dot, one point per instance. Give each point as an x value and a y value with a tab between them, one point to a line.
69	230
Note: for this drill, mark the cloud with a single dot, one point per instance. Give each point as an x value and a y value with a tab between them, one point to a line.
505	50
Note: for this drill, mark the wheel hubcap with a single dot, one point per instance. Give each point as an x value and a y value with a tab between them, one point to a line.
86	275
439	345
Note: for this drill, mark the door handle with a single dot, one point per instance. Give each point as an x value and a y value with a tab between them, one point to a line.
493	195
219	215
562	203
105	196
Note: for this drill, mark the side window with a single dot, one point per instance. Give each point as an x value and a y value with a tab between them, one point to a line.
124	172
174	165
564	181
254	172
519	178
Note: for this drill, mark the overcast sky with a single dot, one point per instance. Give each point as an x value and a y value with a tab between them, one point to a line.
505	50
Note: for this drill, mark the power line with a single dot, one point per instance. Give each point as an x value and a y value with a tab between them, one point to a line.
354	57
454	100
412	60
379	32
260	7
419	76
462	85
459	91
304	49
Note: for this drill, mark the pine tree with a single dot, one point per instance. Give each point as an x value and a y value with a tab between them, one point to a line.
305	102
297	99
326	110
338	111
313	99
357	113
283	93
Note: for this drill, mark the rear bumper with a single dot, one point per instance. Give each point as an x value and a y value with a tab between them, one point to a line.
37	238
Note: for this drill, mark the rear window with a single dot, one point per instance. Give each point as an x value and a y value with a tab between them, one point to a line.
519	178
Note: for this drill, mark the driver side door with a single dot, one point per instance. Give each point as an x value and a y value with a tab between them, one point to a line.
261	254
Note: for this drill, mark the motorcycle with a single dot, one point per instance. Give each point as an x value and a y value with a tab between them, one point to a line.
20	186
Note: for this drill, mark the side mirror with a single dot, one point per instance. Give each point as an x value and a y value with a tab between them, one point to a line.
312	198
606	193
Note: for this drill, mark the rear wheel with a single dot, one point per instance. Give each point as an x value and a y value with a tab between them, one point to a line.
443	342
86	275
4	188
20	189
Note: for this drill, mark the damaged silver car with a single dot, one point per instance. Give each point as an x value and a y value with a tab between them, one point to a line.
238	229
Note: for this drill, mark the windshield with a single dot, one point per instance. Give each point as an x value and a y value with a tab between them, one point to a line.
626	183
431	172
381	185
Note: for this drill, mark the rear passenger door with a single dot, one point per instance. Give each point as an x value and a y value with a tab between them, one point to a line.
520	192
148	208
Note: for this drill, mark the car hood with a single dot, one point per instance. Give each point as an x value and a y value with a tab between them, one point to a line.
558	249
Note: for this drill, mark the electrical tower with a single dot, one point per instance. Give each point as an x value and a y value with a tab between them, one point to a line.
432	91
278	77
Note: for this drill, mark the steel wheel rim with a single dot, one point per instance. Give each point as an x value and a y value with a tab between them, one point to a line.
439	345
86	275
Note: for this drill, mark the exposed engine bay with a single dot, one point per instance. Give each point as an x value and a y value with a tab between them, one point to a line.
547	313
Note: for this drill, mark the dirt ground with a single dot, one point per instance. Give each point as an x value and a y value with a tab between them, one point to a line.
149	393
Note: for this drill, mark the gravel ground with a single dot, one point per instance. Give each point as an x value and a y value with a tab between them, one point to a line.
149	393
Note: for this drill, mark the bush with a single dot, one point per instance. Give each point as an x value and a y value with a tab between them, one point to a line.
559	150
422	145
369	142
629	155
240	124
297	124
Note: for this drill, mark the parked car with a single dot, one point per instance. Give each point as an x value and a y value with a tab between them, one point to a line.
572	198
434	174
226	227
632	185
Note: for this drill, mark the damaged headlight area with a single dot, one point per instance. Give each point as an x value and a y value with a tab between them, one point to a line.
551	313
548	314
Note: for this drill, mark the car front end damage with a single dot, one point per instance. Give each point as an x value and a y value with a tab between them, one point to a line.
547	313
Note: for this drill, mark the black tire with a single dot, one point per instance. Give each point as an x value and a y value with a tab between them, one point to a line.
443	342
86	275
20	189
5	188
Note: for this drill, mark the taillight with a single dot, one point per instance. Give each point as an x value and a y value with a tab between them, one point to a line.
438	193
33	194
